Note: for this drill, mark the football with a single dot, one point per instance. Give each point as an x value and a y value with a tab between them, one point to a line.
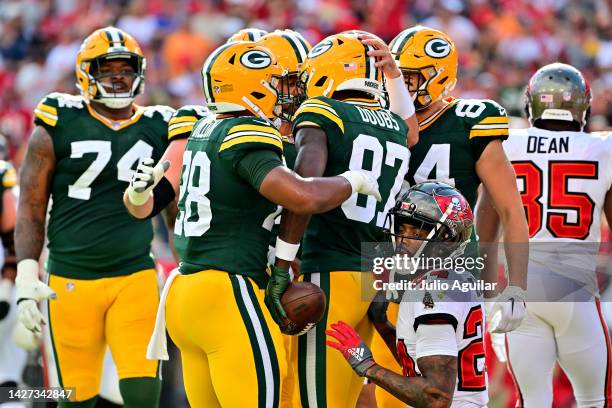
305	304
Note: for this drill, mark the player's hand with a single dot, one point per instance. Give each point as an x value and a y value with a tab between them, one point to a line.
498	342
144	179
26	339
354	350
362	182
377	312
30	290
278	283
506	312
384	58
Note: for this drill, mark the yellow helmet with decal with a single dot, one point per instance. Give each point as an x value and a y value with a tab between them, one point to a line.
247	34
243	76
428	61
340	63
106	44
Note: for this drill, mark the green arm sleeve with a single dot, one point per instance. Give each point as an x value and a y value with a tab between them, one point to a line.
256	165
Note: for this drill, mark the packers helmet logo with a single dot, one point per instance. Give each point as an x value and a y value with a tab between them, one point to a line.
320	48
256	59
437	48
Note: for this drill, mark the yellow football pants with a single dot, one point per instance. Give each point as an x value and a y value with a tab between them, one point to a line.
383	357
89	314
231	349
325	377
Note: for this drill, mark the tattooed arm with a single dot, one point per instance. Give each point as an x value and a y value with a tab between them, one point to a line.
35	178
434	389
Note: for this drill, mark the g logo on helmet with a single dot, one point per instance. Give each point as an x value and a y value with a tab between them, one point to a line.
256	59
320	48
437	48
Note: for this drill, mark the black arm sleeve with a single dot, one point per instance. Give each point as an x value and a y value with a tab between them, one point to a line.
255	166
163	194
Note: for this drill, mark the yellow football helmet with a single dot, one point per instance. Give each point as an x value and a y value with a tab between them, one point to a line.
247	34
428	60
103	44
340	63
243	76
291	50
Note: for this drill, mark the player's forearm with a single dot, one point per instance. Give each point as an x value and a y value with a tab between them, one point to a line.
138	211
29	231
292	229
516	248
416	391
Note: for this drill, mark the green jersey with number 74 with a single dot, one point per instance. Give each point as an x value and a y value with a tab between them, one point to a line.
91	235
360	135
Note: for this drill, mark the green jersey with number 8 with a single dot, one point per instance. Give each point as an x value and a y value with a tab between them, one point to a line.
91	235
224	223
360	135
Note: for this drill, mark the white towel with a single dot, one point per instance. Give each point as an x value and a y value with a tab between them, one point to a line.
157	348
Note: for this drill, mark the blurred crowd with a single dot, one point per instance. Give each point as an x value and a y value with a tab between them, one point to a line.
500	43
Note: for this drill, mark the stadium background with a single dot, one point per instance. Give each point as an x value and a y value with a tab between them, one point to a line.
500	44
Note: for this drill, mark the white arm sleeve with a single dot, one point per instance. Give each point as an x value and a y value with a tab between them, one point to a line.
399	98
435	340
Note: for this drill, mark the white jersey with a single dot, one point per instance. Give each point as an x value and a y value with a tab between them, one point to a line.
563	178
464	311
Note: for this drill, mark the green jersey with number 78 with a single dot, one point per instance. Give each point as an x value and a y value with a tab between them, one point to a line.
91	235
360	135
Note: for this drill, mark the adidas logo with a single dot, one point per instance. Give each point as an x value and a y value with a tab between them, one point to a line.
357	352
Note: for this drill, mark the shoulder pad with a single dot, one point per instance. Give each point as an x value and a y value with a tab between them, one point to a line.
47	110
183	120
251	133
319	112
165	111
484	117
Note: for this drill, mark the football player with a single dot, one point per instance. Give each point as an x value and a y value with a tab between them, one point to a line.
439	336
340	126
565	178
247	34
232	178
82	153
459	144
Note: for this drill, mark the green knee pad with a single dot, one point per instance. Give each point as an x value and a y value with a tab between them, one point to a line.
141	392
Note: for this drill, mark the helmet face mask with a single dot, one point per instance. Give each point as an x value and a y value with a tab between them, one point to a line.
428	59
98	51
431	219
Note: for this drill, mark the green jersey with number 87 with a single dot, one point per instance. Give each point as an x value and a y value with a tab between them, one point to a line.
91	235
360	135
224	223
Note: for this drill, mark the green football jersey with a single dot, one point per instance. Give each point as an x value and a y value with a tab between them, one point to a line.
90	233
223	222
359	136
184	119
451	142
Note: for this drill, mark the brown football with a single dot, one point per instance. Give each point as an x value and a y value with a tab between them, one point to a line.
304	303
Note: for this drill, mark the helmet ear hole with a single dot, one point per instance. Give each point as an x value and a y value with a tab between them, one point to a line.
257	95
443	80
321	81
232	59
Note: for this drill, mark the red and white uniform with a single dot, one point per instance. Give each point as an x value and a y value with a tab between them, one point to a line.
563	178
462	314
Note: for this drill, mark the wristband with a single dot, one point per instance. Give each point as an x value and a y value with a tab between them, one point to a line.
400	101
27	269
285	250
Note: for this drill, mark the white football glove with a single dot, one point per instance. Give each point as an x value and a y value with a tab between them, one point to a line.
498	341
30	290
506	312
362	182
144	180
26	339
